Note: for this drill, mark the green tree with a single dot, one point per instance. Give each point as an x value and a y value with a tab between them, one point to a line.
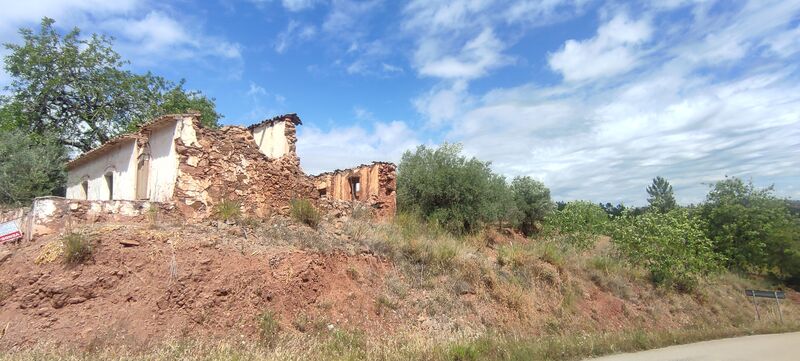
661	197
671	245
443	186
30	166
75	87
532	199
749	226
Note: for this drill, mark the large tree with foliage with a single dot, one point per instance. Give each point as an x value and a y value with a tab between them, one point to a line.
661	196
532	199
77	89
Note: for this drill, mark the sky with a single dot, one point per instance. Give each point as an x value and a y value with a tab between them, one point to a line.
594	98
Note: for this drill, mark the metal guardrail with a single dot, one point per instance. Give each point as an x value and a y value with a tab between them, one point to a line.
776	295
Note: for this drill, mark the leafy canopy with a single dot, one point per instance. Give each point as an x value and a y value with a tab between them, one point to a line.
671	245
578	223
76	88
751	227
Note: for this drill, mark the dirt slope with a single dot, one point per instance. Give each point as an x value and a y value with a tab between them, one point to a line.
145	285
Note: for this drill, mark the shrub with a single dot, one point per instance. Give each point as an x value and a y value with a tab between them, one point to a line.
77	249
578	224
228	210
672	246
443	186
304	211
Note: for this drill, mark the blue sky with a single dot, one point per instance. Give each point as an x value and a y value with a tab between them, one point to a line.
595	98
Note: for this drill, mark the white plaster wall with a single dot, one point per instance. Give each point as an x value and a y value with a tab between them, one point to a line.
272	140
163	163
120	160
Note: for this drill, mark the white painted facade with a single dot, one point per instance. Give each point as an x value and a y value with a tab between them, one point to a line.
113	171
271	139
128	167
163	163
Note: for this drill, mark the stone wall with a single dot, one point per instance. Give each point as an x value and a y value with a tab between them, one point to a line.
377	184
226	164
51	215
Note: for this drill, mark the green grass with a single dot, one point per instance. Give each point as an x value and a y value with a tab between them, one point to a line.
228	210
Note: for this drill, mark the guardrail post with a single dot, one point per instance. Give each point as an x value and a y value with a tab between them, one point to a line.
758	315
778	302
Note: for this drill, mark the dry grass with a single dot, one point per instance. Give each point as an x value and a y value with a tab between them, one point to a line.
347	345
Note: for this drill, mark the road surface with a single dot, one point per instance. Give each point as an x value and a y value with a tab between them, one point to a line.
778	347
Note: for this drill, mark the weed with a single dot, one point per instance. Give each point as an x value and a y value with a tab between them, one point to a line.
228	210
268	328
152	216
383	303
304	211
345	345
353	273
77	249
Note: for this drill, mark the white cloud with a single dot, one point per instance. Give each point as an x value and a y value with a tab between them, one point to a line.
611	52
256	90
162	35
298	5
475	59
345	15
389	68
295	32
345	147
443	103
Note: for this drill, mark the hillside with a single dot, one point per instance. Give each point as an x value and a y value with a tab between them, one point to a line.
351	289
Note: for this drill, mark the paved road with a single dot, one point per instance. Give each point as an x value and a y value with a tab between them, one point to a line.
779	347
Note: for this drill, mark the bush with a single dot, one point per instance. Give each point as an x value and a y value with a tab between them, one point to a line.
443	186
304	211
228	210
77	249
578	224
672	246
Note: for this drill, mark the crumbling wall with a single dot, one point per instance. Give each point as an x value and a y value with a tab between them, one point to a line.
276	137
227	164
376	186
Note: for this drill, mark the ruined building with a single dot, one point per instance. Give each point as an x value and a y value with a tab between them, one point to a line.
175	159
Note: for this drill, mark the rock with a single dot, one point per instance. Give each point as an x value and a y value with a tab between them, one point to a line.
129	243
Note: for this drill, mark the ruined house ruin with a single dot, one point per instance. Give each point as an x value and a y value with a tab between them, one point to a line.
175	159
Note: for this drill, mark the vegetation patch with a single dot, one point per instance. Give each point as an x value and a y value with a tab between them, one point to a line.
305	212
77	248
